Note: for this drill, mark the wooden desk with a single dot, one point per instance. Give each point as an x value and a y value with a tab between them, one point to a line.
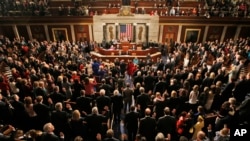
126	51
130	54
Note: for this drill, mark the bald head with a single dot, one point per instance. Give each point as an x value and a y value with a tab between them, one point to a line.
147	112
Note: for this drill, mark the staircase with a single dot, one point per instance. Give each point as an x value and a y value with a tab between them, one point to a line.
5	70
245	69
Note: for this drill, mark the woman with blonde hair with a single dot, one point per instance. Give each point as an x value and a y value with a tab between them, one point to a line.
193	98
77	126
32	119
198	127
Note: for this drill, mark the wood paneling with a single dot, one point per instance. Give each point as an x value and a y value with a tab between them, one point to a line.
38	32
230	33
185	28
170	32
66	27
8	31
81	32
244	32
214	33
22	31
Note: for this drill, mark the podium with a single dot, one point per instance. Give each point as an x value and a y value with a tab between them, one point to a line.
125	46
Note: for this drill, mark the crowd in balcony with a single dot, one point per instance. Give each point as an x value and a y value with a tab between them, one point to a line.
56	91
219	8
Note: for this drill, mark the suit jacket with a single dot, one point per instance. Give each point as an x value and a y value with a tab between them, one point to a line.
160	86
240	90
127	94
167	125
103	101
147	128
143	100
84	104
95	124
117	102
149	82
50	137
60	120
110	139
138	79
43	113
131	120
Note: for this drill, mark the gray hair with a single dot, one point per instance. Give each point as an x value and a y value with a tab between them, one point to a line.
94	110
160	137
102	92
58	106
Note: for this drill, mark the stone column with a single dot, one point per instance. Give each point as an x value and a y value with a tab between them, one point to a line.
116	30
147	32
104	31
134	32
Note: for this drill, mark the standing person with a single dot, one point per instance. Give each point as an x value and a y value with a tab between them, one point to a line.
31	120
59	118
127	94
42	110
84	104
117	104
67	85
103	102
77	126
160	86
142	101
131	123
89	86
95	67
18	112
149	81
94	122
193	98
130	68
198	126
167	125
147	126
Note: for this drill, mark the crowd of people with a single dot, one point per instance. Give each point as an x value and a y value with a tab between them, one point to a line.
162	8
56	91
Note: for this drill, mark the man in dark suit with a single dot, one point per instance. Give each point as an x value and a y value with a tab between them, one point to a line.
147	126
160	86
142	101
167	124
240	89
103	102
127	94
123	67
84	104
49	135
149	81
138	78
18	112
117	104
131	123
56	95
95	122
59	119
42	111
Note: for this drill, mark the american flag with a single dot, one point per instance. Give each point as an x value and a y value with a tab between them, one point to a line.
126	31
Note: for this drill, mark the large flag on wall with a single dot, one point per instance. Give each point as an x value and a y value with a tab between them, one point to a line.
126	31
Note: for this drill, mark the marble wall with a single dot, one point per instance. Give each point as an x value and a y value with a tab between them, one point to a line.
148	24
